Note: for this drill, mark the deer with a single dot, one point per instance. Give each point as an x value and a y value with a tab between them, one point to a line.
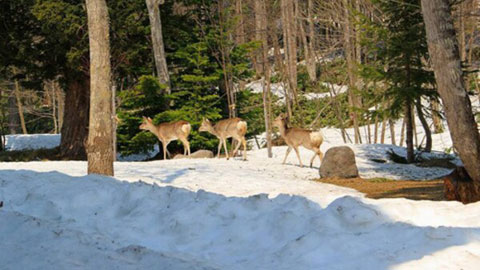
235	128
295	137
167	132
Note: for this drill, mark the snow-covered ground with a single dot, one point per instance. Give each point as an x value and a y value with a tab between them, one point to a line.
31	141
278	90
219	214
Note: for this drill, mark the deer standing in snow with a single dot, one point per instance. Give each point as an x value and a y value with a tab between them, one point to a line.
294	137
224	129
167	132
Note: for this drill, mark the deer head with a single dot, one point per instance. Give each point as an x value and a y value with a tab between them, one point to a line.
281	120
147	123
206	125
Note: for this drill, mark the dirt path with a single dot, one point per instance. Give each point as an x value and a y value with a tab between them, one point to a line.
383	188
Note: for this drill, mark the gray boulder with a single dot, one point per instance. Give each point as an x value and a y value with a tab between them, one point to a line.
339	162
197	154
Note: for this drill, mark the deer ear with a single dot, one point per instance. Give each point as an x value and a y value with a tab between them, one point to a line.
149	119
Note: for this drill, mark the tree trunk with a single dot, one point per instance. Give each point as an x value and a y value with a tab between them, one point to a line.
157	42
409	132
290	44
75	128
437	120
100	143
13	120
20	107
261	28
391	124
428	132
443	50
54	107
61	106
349	53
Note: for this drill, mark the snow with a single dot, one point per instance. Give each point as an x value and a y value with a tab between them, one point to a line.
219	214
33	141
48	141
278	90
256	214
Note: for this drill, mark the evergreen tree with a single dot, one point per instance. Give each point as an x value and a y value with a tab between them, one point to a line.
398	53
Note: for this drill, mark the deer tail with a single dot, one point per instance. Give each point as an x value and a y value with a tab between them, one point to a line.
186	128
317	138
242	127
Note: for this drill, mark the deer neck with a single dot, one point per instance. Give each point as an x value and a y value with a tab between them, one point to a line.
212	130
283	128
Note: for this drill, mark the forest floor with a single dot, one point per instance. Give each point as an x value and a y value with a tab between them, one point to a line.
378	188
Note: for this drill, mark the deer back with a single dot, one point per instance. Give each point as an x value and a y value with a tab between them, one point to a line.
307	138
232	127
173	130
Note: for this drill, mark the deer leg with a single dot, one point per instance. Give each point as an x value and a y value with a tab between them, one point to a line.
219	148
286	154
186	147
236	147
314	156
244	142
164	150
298	156
226	150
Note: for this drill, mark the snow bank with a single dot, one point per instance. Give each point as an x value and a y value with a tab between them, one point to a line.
48	141
57	221
32	141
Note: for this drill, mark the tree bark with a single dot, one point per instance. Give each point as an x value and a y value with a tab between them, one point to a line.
409	133
61	106
428	132
349	55
100	143
445	56
75	128
437	120
289	23
157	42
20	107
13	120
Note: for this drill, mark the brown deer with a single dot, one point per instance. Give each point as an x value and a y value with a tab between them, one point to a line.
294	137
167	132
224	129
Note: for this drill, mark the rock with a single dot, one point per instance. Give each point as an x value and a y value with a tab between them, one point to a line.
458	186
339	162
197	154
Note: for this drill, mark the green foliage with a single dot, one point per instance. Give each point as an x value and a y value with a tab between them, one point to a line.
145	99
399	43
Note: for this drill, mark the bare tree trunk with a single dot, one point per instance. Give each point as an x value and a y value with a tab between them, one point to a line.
349	53
13	119
409	133
20	107
391	124
290	44
99	145
54	107
402	132
437	120
157	42
61	106
312	63
384	128
428	132
443	50
261	28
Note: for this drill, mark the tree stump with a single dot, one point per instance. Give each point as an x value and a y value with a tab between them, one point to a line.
458	186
